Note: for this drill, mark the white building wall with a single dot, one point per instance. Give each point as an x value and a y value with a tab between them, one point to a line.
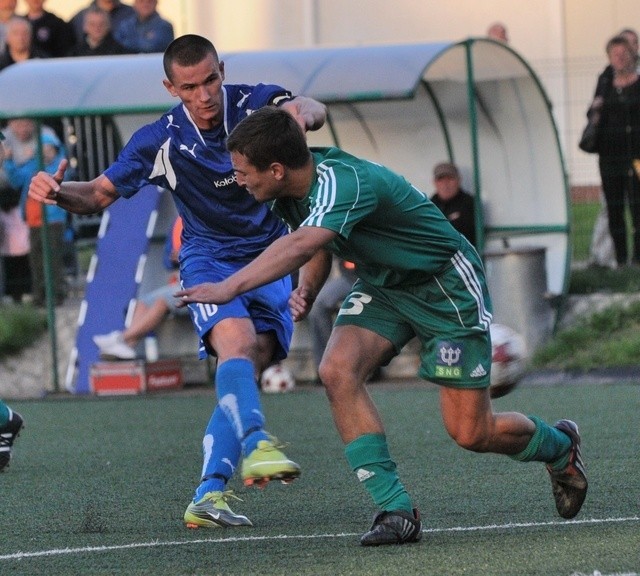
539	29
563	40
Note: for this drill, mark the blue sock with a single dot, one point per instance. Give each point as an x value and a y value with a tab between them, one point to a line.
239	398
221	453
4	413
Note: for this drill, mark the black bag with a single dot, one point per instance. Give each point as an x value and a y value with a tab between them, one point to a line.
589	139
9	197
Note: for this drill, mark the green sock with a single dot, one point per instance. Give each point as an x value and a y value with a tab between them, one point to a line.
4	413
369	458
548	444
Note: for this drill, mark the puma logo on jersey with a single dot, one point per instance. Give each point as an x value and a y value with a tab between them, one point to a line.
191	151
244	97
162	166
170	118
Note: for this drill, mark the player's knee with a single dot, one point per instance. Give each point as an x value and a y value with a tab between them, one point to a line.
335	373
329	372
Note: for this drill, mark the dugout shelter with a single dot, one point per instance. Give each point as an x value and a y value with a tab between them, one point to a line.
475	102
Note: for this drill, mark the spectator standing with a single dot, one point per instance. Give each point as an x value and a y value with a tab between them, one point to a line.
97	39
117	11
617	104
455	203
147	32
7	10
51	34
606	76
19	43
20	139
14	245
20	173
14	239
601	250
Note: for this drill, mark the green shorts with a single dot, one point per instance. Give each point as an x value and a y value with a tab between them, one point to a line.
450	315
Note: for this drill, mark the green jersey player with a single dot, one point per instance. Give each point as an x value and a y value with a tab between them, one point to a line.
417	277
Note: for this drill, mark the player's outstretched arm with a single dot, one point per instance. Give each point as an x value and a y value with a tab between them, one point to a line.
309	113
281	258
75	197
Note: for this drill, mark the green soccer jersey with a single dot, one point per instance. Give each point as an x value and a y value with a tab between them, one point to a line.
392	232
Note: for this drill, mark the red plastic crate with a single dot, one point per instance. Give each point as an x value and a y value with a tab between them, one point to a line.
135	376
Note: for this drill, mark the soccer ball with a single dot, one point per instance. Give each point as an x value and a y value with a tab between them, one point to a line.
508	359
277	379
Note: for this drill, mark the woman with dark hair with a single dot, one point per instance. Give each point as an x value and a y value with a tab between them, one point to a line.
617	104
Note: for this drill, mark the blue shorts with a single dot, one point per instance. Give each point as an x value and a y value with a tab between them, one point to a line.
267	306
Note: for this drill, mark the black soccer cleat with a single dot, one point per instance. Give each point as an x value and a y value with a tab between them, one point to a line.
395	527
569	485
8	433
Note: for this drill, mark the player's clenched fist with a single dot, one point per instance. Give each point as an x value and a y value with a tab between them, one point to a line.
44	187
300	302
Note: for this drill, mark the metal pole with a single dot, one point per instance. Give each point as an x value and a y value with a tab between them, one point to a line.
48	277
473	124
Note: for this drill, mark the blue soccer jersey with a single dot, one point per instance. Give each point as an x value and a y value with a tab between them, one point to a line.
219	216
223	225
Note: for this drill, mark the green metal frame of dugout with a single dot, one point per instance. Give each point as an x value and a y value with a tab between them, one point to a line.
475	102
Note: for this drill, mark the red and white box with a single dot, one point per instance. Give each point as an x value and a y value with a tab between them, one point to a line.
135	376
163	375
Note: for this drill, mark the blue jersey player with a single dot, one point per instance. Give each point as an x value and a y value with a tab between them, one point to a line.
224	229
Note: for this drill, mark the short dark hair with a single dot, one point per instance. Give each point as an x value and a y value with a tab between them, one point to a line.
618	41
187	50
270	135
93	9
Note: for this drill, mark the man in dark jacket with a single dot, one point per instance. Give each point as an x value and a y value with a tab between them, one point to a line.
456	204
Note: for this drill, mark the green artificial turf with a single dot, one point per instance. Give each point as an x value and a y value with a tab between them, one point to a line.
99	486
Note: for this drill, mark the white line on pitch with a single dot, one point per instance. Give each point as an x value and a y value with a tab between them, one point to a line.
154	544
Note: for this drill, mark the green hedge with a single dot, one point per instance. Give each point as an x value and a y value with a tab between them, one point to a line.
20	325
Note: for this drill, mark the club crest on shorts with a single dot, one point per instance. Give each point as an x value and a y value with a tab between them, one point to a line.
449	359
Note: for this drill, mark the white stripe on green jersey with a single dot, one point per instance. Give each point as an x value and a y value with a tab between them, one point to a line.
391	230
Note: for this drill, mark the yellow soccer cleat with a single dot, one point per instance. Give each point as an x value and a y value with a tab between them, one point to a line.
267	463
212	511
